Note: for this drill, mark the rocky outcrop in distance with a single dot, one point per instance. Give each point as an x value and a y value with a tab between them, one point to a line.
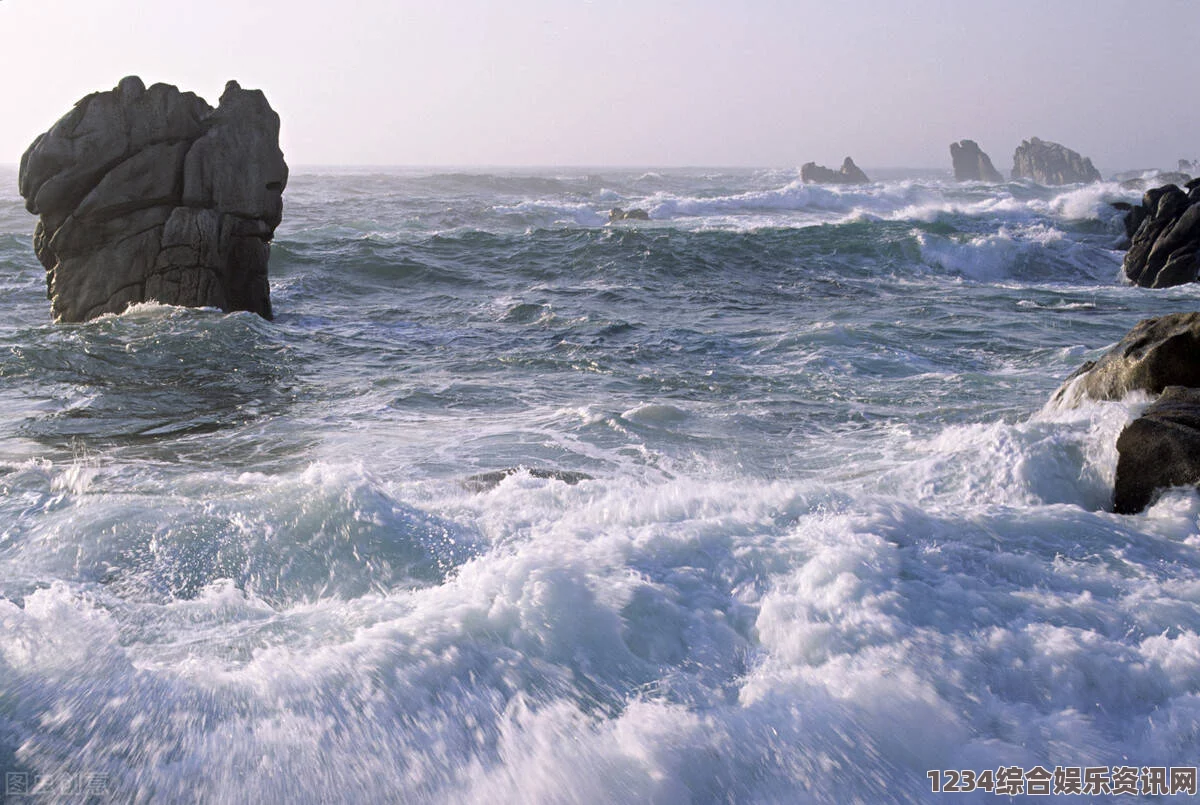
1161	448
1051	164
1163	235
850	173
151	194
971	164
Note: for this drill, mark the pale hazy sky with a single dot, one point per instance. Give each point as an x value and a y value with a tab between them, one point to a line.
638	82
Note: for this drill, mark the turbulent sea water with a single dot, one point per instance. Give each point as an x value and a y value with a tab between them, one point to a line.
831	537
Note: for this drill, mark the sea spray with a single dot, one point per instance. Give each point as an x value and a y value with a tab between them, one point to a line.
824	534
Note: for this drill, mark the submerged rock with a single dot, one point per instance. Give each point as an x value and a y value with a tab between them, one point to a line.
1164	237
849	174
484	481
1158	450
635	214
971	164
151	194
1149	179
1156	353
1050	164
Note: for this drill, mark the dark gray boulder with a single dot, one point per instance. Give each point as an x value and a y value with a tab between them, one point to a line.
971	164
850	173
1164	237
1158	450
1049	163
1156	353
1161	448
151	194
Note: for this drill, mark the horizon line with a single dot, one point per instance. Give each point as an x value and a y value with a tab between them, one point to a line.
459	167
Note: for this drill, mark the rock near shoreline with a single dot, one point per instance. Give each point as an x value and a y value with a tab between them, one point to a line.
151	194
1158	450
1164	237
1156	353
1161	448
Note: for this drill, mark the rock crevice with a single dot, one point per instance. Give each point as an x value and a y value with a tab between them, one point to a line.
1164	237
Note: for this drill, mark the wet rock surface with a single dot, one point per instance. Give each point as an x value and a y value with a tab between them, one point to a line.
1158	450
151	194
1164	237
1156	353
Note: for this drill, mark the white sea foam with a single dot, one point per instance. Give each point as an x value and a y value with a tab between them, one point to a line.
1031	251
824	538
795	203
809	641
1091	201
548	212
652	413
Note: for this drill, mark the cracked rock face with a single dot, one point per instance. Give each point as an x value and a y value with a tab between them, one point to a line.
972	164
1164	233
151	194
1049	163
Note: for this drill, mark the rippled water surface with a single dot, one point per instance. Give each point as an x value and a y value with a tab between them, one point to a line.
790	520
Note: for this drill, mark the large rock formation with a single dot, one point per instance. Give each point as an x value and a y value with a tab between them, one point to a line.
151	194
1164	237
1158	450
1156	353
971	164
1050	163
1161	448
849	174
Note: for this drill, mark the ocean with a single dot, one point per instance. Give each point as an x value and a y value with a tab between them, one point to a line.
757	501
